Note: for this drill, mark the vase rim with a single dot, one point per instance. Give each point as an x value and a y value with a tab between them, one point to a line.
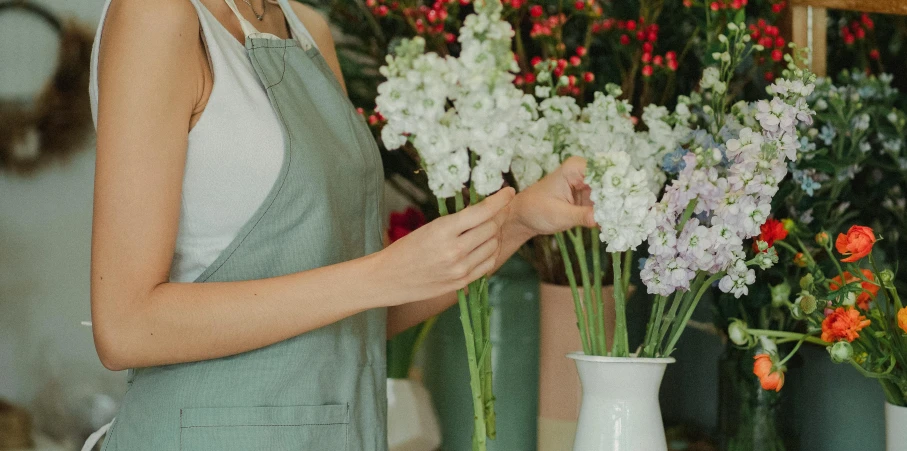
606	359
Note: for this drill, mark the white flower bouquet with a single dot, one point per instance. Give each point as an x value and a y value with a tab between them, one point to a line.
464	117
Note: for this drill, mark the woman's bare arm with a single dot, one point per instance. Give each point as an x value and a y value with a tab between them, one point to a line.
151	82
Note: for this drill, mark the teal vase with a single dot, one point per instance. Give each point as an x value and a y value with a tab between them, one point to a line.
514	299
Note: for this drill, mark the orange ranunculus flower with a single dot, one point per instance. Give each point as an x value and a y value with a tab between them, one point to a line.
870	288
856	244
843	324
902	319
769	377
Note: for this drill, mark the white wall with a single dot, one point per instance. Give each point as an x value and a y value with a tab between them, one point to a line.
45	227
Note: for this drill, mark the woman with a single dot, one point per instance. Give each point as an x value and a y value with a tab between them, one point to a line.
229	154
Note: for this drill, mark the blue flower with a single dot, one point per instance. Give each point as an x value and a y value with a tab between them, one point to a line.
673	162
807	183
807	146
827	134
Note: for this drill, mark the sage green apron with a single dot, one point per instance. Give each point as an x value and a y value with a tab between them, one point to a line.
324	390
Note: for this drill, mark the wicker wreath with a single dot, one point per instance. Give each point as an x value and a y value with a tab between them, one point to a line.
57	123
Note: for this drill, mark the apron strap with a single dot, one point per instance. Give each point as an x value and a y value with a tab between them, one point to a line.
95	437
247	28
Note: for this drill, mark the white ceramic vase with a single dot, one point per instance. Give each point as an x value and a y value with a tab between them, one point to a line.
895	427
619	410
412	424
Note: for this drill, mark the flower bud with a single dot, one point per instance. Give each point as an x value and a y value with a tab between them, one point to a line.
737	333
761	245
849	299
806	282
789	225
841	352
795	312
800	260
807	303
768	345
780	294
887	278
822	239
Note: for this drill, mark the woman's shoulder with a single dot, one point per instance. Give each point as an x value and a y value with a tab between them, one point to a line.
314	22
163	21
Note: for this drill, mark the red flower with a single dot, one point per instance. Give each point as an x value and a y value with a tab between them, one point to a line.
401	224
672	64
630	24
856	244
870	289
773	230
579	5
777	55
658	60
715	6
874	54
624	39
580	51
770	377
867	21
589	77
535	11
575	60
843	324
647	71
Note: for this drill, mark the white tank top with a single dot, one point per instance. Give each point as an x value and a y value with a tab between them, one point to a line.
235	149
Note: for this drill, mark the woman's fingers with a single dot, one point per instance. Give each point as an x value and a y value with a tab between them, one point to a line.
474	237
482	269
475	215
487	250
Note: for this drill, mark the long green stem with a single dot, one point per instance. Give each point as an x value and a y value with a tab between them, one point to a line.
835	260
653	328
598	313
792	352
628	262
579	247
621	345
689	313
782	334
571	277
475	385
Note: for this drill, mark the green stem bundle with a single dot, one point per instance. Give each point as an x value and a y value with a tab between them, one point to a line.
474	318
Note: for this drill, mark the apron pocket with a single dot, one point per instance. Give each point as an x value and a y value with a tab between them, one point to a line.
321	428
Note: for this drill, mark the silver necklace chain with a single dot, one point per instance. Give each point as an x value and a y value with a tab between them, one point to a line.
264	6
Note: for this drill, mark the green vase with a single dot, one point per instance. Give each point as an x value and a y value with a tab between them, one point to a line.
514	298
749	418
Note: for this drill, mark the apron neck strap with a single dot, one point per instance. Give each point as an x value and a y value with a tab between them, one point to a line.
247	28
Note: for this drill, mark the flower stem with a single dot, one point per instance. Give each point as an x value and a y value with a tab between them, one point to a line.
680	326
598	312
621	345
792	352
475	377
571	277
781	334
687	214
580	248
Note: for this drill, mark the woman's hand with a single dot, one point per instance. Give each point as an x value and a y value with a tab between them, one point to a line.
449	252
558	202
